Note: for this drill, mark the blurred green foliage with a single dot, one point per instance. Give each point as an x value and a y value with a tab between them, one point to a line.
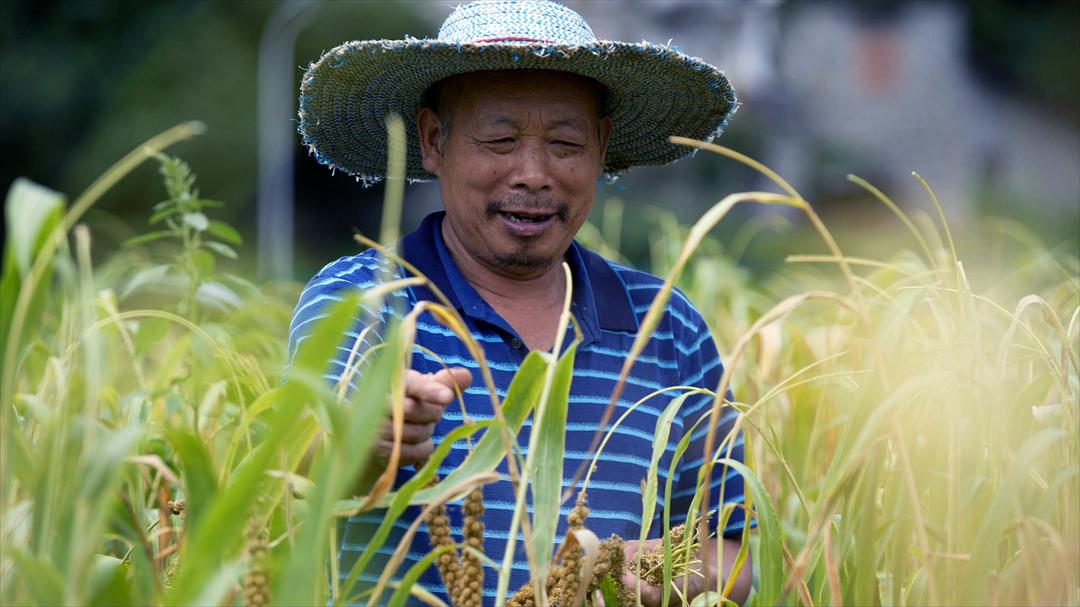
1028	46
85	81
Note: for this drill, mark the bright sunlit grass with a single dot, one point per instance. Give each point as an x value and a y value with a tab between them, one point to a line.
911	433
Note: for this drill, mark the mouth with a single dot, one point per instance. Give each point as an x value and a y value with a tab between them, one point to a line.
526	217
526	224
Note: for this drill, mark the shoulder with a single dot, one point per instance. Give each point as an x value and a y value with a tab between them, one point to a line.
353	271
642	288
334	282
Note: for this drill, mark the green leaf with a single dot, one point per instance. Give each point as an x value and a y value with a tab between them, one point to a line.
197	221
200	478
676	459
97	485
348	453
31	211
150	332
408	581
220	527
160	215
225	232
220	248
241	284
147	276
401	499
609	591
204	262
987	554
853	444
660	441
148	237
769	557
522	396
220	586
547	472
40	577
710	599
314	354
175	357
109	585
217	295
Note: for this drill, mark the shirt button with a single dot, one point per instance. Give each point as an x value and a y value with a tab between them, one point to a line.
516	343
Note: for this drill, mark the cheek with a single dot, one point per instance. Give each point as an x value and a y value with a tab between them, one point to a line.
578	179
481	173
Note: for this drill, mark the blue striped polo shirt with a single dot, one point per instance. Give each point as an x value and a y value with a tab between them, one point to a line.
609	301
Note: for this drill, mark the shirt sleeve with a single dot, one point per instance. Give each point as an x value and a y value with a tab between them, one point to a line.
700	366
331	285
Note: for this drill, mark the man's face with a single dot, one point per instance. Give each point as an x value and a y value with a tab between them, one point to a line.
519	166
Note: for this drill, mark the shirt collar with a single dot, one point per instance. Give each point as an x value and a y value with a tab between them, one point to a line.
595	283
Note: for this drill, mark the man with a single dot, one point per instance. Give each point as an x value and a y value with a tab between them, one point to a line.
519	112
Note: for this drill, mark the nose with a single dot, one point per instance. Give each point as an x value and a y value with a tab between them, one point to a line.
531	169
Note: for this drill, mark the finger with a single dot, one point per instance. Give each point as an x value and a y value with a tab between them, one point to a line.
412	434
408	455
650	595
458	377
630	550
416	454
421	412
427	389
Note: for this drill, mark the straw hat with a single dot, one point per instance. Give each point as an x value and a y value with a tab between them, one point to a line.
654	90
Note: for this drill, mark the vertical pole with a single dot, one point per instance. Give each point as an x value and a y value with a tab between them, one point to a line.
277	97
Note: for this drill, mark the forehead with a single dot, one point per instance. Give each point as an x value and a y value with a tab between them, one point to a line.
561	95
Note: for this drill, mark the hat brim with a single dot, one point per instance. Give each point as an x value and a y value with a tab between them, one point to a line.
655	92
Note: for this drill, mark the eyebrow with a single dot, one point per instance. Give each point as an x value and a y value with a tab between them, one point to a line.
507	121
571	122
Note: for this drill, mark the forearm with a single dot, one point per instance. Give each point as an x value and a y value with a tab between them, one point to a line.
740	588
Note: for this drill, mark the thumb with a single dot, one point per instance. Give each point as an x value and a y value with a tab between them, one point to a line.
458	377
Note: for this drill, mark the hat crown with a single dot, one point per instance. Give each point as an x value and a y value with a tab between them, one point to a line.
515	22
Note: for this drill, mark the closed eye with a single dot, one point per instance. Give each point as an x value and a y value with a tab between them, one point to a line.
502	145
565	149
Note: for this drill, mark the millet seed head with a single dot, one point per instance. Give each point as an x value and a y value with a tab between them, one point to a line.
448	563
256	583
577	516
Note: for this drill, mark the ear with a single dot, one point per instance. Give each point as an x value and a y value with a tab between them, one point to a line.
605	134
429	128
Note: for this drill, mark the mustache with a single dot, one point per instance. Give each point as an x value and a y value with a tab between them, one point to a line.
520	202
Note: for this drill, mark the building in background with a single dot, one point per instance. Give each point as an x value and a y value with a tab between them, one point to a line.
875	89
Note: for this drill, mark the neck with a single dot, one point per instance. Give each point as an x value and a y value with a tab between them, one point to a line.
541	290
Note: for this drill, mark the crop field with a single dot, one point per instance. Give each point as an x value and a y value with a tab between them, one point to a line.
910	420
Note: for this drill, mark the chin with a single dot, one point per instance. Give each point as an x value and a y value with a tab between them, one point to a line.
525	261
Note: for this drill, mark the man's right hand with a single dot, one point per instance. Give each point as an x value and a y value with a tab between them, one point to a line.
426	398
